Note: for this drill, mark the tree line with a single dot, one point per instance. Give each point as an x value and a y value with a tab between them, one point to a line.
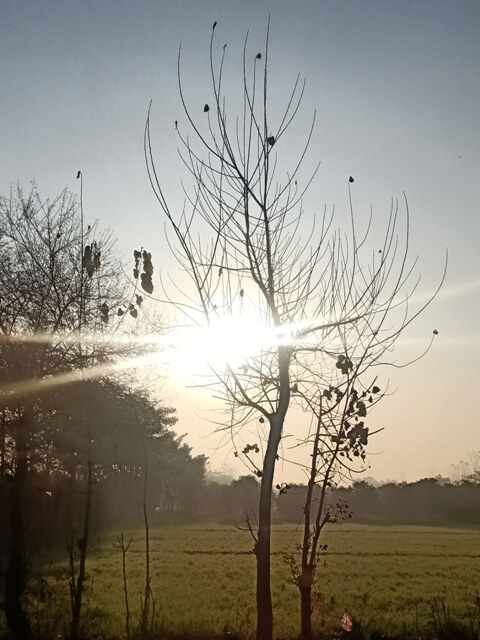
426	502
77	439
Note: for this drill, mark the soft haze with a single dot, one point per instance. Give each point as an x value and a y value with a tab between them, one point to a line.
397	92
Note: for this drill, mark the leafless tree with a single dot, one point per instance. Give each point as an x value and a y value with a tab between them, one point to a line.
325	298
124	547
467	471
338	445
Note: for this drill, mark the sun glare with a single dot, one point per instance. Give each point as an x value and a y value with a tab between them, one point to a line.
187	353
226	341
192	351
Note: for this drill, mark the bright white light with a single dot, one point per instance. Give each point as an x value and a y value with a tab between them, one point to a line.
197	350
226	341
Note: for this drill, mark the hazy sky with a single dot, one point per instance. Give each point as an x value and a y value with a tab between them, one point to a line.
397	90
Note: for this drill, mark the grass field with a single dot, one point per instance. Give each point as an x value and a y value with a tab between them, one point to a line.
390	579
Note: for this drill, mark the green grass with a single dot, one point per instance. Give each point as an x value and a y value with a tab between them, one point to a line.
203	580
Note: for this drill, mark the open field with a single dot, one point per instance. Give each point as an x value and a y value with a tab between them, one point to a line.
203	579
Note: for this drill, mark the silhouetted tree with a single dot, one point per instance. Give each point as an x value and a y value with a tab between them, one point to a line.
339	443
321	297
51	288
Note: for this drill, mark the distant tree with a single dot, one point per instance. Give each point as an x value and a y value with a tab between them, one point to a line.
218	477
366	501
467	471
326	299
290	502
244	493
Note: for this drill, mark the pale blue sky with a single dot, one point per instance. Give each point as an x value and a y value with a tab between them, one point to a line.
397	90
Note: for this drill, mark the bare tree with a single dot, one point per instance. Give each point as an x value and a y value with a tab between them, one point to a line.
78	574
124	547
467	471
323	298
147	602
338	452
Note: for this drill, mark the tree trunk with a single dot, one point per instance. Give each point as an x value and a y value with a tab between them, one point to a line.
3	439
306	577
306	611
15	615
16	574
262	551
262	548
83	547
148	593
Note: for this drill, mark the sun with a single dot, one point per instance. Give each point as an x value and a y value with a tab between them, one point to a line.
226	341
